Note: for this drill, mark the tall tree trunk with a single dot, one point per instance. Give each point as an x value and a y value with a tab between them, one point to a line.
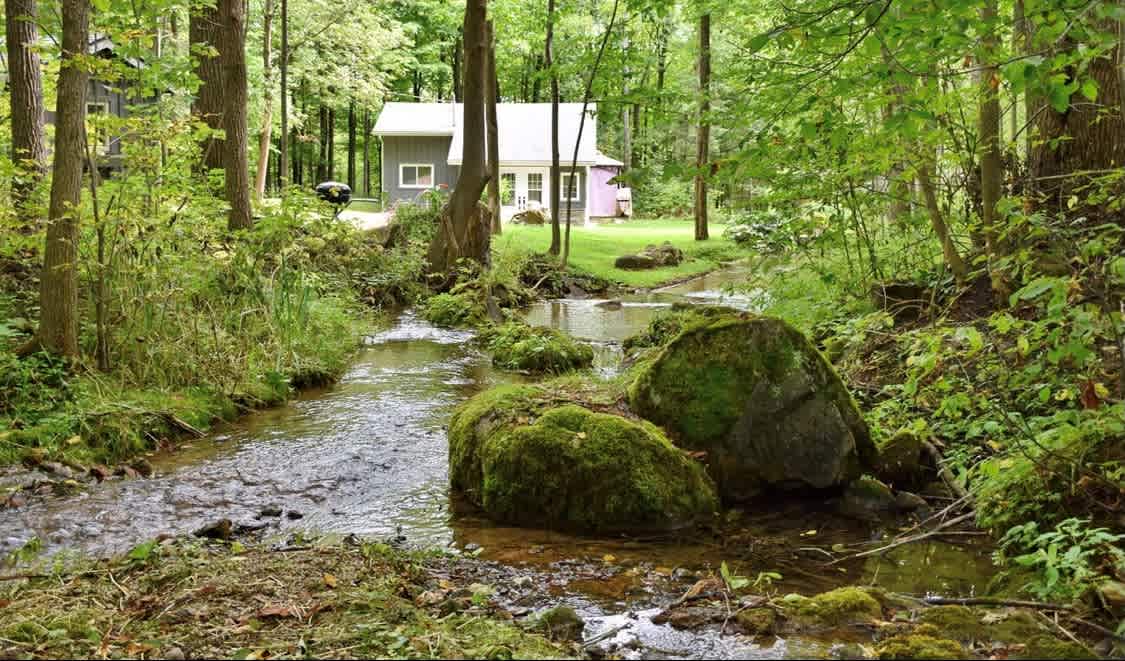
937	221
1076	146
626	125
204	33
322	163
366	152
464	231
351	144
988	133
331	138
29	151
265	139
587	93
493	133
58	293
455	66
283	135
232	14
703	135
556	194
537	79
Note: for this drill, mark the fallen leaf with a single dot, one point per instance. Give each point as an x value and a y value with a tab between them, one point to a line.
275	610
808	533
330	580
74	440
608	557
1089	397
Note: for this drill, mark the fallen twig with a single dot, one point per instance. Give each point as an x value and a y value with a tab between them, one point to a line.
944	472
1099	628
907	540
603	635
989	601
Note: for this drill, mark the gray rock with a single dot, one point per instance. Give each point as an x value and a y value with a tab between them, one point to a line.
906	501
561	623
635	262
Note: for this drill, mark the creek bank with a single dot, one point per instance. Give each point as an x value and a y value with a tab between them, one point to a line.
329	600
892	626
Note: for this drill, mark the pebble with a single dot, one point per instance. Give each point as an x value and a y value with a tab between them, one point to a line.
174	654
293	515
270	510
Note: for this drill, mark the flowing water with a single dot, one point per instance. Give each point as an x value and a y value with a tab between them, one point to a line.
369	456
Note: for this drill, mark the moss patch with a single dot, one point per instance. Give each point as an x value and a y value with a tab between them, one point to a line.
757	621
454	310
836	608
525	462
666	326
520	347
919	646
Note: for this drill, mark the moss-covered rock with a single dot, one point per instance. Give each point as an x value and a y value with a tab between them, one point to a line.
761	401
525	462
520	347
919	646
899	459
836	608
868	499
454	310
561	623
756	621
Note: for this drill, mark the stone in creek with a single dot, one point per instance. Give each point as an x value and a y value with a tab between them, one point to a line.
143	467
100	472
221	529
55	468
1112	596
561	623
270	510
690	617
760	400
127	472
868	499
293	515
906	501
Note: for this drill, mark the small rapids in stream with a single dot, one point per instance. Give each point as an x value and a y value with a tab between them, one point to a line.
369	456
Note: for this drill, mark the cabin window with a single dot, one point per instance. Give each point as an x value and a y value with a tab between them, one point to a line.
535	187
565	182
507	188
416	175
96	114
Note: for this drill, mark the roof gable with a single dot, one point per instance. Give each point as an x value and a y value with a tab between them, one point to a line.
525	129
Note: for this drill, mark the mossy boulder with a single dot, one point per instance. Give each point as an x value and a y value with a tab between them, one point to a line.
450	310
524	461
761	401
538	350
835	608
561	623
899	459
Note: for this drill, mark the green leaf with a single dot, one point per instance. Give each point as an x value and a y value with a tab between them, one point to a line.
1089	89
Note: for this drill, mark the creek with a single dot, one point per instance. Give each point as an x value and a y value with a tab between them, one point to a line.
368	456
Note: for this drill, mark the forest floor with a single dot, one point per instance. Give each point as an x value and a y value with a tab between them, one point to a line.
594	248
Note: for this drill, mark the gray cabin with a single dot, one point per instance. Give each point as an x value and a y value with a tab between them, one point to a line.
103	97
422	152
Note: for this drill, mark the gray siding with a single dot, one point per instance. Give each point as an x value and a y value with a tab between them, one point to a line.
415	149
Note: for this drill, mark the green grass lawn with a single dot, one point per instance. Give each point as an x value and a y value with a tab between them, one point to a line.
594	249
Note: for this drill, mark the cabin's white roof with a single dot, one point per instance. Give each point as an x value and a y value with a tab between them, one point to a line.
525	129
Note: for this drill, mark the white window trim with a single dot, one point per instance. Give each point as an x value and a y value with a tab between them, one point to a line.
542	186
564	186
433	175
